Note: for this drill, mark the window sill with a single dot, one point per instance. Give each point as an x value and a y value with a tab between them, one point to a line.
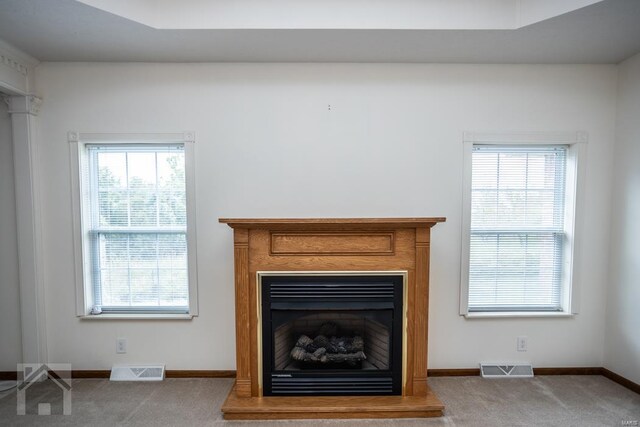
145	316
512	314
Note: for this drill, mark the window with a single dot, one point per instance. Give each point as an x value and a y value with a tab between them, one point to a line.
518	249
137	244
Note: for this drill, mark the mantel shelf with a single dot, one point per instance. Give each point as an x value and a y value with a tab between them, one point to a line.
332	222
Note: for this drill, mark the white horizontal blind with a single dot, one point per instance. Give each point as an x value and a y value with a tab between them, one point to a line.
137	199
517	228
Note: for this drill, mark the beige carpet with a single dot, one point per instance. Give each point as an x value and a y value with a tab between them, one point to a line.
469	401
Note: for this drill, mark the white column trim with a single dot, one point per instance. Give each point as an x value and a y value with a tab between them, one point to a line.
29	104
23	110
16	70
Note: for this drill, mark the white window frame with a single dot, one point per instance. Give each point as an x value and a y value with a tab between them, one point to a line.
81	246
575	173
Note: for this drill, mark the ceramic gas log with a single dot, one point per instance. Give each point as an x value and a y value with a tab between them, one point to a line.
324	350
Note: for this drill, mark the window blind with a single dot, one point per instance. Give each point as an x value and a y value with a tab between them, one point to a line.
517	228
136	196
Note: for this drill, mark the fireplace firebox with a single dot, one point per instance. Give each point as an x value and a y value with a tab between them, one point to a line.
332	335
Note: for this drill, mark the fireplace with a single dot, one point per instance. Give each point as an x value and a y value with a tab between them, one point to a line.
328	335
331	318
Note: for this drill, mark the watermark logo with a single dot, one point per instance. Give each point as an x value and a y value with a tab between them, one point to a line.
30	374
629	422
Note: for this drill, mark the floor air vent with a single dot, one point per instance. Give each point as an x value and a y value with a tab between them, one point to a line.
137	373
494	370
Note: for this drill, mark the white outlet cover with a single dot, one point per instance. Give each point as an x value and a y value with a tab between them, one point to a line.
121	345
521	344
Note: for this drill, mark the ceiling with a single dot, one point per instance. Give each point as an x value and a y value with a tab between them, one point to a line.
69	30
338	14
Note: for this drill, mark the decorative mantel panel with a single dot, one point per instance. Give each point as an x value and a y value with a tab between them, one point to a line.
331	245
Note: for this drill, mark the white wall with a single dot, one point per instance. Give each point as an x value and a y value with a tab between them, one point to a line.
622	351
10	338
267	146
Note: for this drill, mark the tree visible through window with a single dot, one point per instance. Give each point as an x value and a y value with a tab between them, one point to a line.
137	200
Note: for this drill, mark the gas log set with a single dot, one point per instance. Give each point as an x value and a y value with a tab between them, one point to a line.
328	348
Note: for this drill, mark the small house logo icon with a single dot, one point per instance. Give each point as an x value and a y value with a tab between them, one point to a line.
30	374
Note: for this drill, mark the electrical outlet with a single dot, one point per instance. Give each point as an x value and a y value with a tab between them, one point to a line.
121	345
521	344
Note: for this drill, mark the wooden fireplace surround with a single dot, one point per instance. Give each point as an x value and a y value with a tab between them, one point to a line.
331	245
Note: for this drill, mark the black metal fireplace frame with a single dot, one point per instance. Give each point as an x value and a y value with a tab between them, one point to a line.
340	293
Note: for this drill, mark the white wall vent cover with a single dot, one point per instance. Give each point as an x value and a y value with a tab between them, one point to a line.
504	370
137	373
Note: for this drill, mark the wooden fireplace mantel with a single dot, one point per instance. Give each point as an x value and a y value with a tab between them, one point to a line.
331	245
331	222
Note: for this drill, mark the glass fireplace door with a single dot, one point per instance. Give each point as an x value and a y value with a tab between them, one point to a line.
318	342
331	340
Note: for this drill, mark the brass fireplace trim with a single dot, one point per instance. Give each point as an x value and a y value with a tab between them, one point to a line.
403	273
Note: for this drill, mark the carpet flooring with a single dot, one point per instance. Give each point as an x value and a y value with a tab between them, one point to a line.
469	401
